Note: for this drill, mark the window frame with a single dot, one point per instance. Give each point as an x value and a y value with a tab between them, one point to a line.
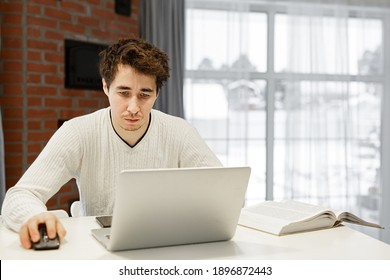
271	77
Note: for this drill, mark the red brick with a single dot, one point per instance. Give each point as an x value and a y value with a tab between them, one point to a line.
11	159
52	125
58	102
34	101
11	7
94	2
34	55
13	112
99	33
12	42
34	125
41	22
72	93
74	28
14	171
103	13
74	6
54	35
41	45
34	148
69	114
40	67
33	78
33	32
104	103
12	147
88	103
13	136
57	14
14	125
39	136
11	101
45	2
54	80
14	54
11	78
41	90
88	21
12	89
11	31
33	9
97	94
41	114
14	66
54	57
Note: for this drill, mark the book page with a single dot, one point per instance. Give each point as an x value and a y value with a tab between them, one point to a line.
261	222
276	217
287	210
351	218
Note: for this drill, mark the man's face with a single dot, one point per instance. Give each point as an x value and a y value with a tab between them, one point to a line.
131	96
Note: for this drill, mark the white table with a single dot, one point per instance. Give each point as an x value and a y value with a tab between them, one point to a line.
332	244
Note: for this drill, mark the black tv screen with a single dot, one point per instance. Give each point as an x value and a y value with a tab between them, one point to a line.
82	65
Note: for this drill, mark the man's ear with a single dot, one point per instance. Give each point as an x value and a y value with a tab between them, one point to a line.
105	87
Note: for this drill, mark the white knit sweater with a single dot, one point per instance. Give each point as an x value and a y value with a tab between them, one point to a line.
88	149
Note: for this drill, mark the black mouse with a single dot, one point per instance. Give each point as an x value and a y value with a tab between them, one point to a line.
45	243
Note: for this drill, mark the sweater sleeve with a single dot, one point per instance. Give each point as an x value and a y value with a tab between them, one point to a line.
195	152
57	164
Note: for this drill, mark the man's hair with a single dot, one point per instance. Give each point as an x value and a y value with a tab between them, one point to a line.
139	54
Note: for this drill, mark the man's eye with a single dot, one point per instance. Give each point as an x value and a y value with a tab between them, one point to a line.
144	95
124	93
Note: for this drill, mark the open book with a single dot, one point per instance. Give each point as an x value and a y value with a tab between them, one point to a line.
291	216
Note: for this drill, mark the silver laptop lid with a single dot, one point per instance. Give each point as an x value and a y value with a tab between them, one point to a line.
163	207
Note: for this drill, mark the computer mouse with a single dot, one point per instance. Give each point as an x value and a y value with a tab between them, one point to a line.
45	243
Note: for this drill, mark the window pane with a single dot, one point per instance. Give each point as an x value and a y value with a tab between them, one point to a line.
327	110
328	45
327	137
231	117
222	109
365	39
215	40
206	107
244	153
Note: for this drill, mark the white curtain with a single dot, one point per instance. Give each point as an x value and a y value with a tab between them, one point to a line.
299	91
333	95
226	46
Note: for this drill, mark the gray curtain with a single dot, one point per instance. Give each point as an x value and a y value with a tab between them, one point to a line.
162	24
2	164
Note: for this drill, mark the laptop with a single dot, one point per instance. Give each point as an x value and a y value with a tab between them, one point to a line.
165	207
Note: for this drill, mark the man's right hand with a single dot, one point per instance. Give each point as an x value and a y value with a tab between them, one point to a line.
29	232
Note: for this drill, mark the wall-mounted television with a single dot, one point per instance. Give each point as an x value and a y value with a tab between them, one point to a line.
82	65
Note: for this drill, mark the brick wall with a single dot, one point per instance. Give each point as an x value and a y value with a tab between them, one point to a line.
32	94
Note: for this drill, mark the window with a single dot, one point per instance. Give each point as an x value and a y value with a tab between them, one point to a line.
221	101
295	96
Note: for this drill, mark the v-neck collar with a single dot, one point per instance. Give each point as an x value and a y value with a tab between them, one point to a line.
140	139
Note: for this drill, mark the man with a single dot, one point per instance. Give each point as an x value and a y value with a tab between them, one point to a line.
94	148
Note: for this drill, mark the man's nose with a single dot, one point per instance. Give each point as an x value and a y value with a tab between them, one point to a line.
132	105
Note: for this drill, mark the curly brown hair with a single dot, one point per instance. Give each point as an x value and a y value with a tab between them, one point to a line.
144	57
